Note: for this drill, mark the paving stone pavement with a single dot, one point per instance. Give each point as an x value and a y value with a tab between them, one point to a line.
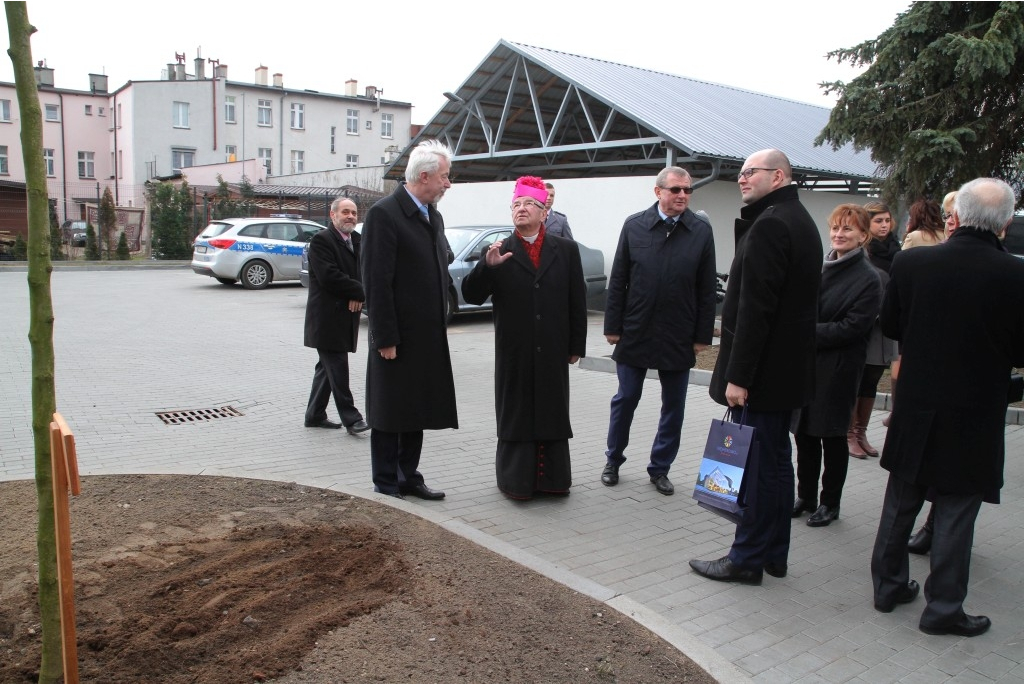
132	343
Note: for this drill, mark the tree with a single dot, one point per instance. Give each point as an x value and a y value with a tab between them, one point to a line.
92	250
171	220
20	249
122	247
942	101
40	333
56	237
107	220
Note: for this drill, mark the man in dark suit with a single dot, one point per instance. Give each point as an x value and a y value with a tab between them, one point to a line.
409	382
556	223
536	283
945	442
333	304
766	359
660	313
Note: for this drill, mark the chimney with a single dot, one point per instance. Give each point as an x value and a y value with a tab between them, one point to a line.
222	71
351	86
179	72
261	75
371	92
278	81
170	71
98	83
200	69
44	74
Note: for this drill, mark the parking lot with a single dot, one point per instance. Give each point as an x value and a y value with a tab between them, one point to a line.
136	343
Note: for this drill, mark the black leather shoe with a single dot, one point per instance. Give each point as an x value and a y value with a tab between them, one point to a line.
423	492
802	505
322	424
823	516
724	570
776	570
921	541
968	626
357	427
610	475
663	484
905	595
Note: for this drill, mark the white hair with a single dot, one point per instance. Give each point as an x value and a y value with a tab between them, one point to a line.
426	157
985	203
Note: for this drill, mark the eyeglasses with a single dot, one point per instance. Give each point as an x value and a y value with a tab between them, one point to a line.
947	217
747	173
526	203
675	190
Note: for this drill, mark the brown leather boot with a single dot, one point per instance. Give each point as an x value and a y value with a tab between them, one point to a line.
861	416
852	440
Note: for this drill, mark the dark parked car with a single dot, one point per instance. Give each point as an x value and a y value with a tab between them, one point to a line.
73	232
1013	239
467	242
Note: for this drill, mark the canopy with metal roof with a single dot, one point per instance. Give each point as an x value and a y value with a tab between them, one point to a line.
530	110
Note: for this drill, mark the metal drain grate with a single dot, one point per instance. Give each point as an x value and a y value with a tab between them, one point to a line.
183	416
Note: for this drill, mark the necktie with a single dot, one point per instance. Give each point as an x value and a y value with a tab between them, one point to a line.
670	223
348	243
426	212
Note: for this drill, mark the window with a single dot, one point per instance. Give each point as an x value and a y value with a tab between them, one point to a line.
3	160
264	115
86	165
266	157
352	122
298	115
48	160
100	112
387	125
120	163
351	161
369	125
182	158
5	110
298	161
232	152
52	113
88	110
334	131
229	109
180	114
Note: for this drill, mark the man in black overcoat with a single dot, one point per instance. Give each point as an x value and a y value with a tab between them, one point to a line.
333	307
960	340
409	383
535	281
766	359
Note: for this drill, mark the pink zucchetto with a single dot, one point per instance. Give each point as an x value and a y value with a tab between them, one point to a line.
531	186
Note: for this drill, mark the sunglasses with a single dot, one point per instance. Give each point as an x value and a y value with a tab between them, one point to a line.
675	190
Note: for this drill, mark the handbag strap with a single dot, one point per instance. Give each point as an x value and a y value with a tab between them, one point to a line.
743	415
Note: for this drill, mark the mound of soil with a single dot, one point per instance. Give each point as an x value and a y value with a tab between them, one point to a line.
201	579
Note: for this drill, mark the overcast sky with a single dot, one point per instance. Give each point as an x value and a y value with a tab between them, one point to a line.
415	51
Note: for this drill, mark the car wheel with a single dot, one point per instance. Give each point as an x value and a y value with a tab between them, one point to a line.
226	281
452	309
256	275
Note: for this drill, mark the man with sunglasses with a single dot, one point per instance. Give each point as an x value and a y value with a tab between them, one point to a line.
659	313
766	359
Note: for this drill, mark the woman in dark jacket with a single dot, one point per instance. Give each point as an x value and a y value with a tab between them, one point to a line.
848	305
882	351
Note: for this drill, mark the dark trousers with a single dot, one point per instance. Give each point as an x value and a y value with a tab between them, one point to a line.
670	426
394	460
952	540
330	376
762	536
808	467
869	380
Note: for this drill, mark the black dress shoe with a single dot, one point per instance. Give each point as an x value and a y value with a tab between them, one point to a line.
724	570
968	626
823	516
422	491
610	475
357	427
663	484
776	570
802	505
921	541
322	424
905	595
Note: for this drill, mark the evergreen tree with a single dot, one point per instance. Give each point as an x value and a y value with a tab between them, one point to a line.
941	100
56	237
107	220
170	220
122	247
92	250
20	249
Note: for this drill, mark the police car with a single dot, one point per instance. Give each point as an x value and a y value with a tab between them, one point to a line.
253	251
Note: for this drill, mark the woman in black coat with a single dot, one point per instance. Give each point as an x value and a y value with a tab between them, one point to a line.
848	304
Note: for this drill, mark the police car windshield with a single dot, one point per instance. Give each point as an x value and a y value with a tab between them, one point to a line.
214	230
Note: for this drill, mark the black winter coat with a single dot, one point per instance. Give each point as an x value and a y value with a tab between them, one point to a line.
540	320
958	311
848	304
661	292
333	282
771	305
405	274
